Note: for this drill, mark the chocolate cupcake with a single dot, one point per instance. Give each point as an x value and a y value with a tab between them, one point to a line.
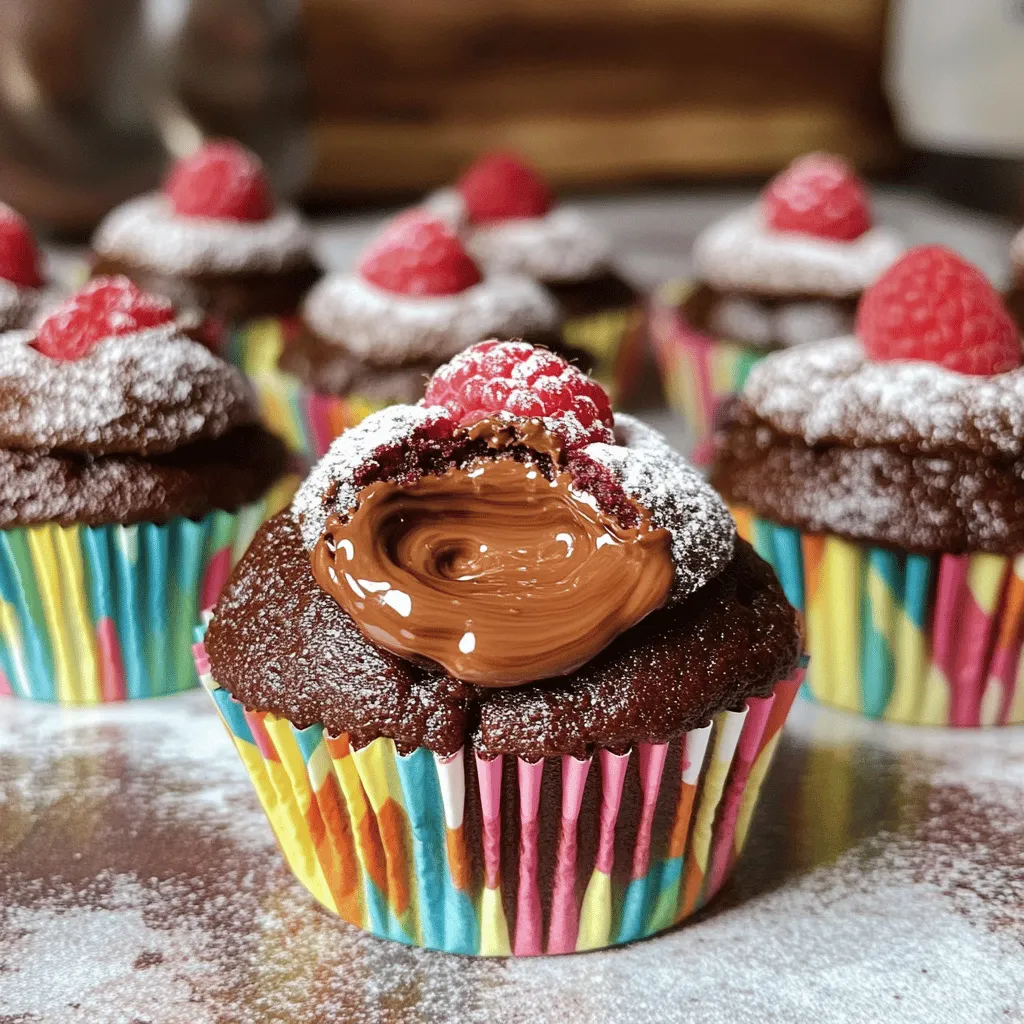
511	224
370	338
786	271
214	242
133	470
504	678
881	475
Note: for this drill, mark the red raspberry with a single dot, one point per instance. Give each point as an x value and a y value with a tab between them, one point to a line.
817	194
527	382
932	304
104	308
499	186
19	257
417	254
221	180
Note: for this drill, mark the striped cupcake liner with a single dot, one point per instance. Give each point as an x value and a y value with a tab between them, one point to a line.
308	421
919	639
90	614
502	856
698	372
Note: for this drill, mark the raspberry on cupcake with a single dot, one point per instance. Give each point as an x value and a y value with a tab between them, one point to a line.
522	630
132	470
215	241
512	223
785	271
369	338
881	474
25	294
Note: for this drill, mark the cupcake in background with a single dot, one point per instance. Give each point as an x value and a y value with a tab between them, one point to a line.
511	223
25	293
504	678
785	271
133	472
881	475
215	242
370	338
1015	296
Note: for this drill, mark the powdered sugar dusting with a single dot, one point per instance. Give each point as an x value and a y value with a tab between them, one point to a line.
740	253
147	232
677	497
331	484
147	392
829	392
387	328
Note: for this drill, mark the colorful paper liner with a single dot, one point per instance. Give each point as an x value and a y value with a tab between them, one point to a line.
90	614
459	853
308	421
918	639
697	371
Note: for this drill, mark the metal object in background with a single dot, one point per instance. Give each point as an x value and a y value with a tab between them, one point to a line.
94	94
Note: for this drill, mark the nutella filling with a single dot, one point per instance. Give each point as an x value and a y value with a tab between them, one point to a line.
499	571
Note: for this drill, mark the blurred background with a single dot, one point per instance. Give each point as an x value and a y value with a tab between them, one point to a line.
360	102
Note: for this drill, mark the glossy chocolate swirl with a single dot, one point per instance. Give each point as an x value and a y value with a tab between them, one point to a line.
498	571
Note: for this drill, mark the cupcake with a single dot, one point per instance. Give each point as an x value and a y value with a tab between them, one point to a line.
133	470
370	338
511	224
880	473
214	242
786	271
504	678
25	295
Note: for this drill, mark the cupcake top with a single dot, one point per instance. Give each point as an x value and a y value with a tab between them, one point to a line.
510	223
417	296
810	234
108	411
504	564
215	215
909	432
21	279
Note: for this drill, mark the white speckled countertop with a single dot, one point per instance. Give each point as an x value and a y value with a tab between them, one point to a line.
883	879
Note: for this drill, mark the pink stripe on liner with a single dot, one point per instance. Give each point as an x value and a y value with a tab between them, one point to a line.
949	591
112	681
564	912
264	743
488	774
201	658
318	411
747	749
5	685
613	775
216	575
529	927
651	759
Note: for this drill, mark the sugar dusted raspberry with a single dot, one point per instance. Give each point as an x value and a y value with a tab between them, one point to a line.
222	180
933	305
19	257
104	308
417	254
525	382
500	186
820	195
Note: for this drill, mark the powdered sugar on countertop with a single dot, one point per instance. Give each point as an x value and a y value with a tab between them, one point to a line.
740	253
147	392
829	391
128	897
147	232
388	329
